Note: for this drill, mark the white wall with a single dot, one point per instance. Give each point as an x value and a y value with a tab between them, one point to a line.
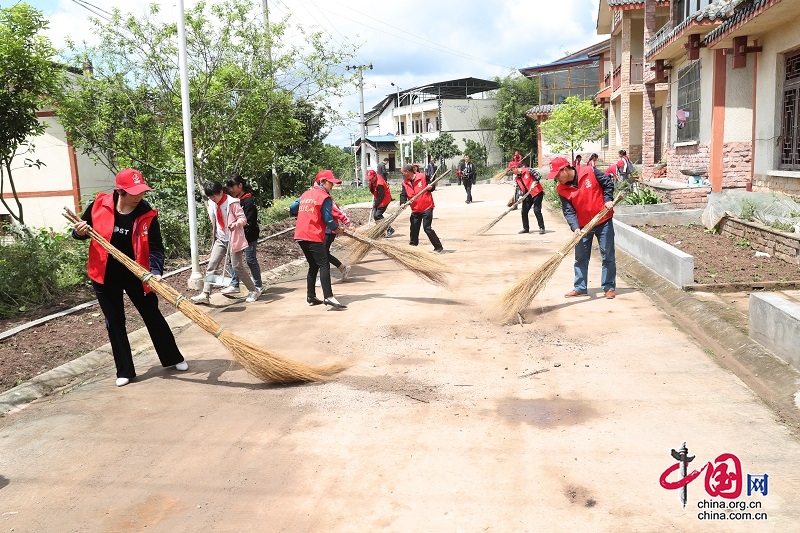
739	101
769	108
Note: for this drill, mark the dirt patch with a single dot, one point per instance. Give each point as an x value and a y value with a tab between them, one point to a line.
46	346
720	259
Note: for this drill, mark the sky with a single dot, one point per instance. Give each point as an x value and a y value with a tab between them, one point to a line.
410	43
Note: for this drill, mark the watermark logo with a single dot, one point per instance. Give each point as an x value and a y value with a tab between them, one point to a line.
723	479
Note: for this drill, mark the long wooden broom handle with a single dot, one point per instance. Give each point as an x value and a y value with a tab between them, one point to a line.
592	223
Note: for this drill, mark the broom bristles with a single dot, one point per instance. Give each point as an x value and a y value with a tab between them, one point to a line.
423	264
256	360
360	249
520	296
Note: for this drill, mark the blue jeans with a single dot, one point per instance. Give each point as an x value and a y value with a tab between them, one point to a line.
252	262
583	251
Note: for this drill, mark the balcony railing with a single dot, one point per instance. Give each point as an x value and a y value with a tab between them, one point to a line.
658	39
617	81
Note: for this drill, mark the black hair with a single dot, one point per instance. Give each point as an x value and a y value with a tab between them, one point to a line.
623	152
237	179
594	156
212	188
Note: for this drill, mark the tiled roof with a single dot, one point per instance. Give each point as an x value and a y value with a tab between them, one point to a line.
540	109
744	9
619	3
712	12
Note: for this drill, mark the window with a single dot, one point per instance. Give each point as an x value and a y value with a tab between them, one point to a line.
604	142
580	81
688	114
790	138
686	8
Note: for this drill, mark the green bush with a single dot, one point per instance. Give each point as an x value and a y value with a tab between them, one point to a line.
38	267
641	196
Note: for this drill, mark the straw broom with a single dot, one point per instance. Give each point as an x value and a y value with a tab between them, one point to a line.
513	206
515	299
360	249
503	172
427	266
258	361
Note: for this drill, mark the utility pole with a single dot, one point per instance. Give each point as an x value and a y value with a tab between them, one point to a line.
276	182
196	279
355	160
360	69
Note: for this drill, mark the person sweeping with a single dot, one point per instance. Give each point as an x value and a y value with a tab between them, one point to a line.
584	193
421	207
527	179
381	197
314	215
131	225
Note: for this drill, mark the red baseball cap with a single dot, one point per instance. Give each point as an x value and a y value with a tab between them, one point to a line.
327	175
131	181
557	165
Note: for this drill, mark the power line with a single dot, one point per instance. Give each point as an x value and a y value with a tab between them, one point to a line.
91	9
420	40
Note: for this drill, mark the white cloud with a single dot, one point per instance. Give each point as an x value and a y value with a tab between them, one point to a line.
410	43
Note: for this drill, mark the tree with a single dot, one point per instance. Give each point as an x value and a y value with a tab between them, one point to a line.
477	152
421	147
443	147
28	77
248	113
572	123
515	130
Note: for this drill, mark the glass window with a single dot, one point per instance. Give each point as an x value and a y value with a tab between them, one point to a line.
688	114
790	137
561	79
547	80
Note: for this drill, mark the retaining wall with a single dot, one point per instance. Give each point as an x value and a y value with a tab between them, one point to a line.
675	266
774	323
763	238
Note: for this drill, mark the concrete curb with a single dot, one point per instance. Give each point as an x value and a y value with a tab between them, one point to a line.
711	323
80	368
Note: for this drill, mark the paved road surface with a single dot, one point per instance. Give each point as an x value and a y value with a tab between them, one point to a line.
441	422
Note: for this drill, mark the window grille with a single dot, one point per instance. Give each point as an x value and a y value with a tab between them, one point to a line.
790	144
689	103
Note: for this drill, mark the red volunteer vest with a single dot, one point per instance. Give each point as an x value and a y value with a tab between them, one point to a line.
586	198
412	187
103	223
387	196
526	181
310	226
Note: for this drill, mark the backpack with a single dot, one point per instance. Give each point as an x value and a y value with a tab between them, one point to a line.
629	168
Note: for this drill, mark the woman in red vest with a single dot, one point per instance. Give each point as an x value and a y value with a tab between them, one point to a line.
131	225
381	197
584	193
527	179
315	214
421	208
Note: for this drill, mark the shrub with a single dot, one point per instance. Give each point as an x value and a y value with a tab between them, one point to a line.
38	267
641	196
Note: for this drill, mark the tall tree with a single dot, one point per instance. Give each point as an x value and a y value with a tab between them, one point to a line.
572	123
28	77
248	112
515	129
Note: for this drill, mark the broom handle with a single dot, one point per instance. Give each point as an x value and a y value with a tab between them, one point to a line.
519	201
420	193
590	226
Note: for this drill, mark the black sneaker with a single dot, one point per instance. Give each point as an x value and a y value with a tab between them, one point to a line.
541	231
523	231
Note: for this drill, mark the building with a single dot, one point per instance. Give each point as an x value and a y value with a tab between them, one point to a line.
455	106
719	91
65	179
583	74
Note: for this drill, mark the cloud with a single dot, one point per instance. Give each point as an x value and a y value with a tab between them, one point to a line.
410	43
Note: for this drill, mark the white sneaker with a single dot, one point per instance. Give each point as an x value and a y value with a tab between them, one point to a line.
230	291
121	382
202	298
183	365
253	296
346	272
318	283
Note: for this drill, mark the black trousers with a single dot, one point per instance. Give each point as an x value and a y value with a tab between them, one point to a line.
536	203
378	212
109	295
329	238
424	219
468	188
317	257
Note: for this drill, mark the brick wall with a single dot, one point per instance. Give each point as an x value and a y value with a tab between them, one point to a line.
763	238
735	162
682	198
694	156
777	183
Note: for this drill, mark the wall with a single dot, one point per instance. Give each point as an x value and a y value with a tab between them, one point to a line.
769	92
763	238
461	119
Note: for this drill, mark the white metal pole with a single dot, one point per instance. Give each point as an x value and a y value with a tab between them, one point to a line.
196	279
411	103
363	127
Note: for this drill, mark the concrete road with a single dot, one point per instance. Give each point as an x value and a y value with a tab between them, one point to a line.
443	421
